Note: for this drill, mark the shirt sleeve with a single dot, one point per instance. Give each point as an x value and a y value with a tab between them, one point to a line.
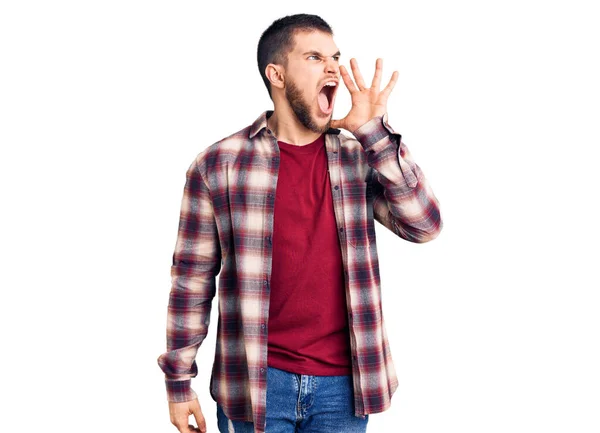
403	201
196	262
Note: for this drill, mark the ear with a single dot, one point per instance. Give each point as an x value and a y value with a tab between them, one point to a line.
275	75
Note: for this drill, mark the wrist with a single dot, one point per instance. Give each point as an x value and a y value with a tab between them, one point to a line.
366	129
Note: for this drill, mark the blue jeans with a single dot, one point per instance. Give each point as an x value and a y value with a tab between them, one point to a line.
301	403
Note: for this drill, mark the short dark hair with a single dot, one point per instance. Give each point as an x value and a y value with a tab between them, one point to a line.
278	40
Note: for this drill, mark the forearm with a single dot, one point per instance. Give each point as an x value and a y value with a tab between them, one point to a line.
403	199
196	262
188	319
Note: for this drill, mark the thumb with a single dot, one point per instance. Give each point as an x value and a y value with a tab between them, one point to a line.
337	123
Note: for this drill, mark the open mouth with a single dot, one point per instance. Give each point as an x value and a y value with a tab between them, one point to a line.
326	96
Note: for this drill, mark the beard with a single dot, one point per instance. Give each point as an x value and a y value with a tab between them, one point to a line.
302	109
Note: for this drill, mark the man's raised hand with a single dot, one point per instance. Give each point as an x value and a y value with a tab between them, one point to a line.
367	102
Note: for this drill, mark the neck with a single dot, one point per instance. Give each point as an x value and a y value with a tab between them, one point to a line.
287	128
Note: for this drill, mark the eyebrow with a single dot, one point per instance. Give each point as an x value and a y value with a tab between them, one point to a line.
319	54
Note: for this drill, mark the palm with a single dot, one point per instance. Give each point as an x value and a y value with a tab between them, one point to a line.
367	102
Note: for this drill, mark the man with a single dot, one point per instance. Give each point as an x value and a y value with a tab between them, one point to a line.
284	210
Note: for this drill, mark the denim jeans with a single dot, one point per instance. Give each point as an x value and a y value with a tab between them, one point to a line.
301	403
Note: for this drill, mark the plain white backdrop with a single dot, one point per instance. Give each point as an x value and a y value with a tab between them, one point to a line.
494	326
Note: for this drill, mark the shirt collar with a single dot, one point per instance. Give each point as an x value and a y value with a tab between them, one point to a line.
261	123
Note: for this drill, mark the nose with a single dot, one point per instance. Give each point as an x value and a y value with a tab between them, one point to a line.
332	66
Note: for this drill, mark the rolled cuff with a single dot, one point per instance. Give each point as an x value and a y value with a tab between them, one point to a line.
374	130
180	390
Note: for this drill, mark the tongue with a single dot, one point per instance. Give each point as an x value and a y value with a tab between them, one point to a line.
323	102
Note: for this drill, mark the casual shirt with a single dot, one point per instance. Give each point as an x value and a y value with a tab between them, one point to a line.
226	228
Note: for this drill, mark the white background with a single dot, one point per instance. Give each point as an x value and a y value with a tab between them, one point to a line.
494	326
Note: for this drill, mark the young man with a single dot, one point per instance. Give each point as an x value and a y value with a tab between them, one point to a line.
284	210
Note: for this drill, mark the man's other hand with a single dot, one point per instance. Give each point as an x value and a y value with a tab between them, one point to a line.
180	413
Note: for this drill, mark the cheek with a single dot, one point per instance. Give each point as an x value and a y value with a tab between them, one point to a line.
307	89
311	90
306	86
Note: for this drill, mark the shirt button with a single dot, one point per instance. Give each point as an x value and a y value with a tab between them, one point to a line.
263	326
268	238
341	229
336	187
262	370
265	283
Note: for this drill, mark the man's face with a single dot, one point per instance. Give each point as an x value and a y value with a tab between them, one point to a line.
313	62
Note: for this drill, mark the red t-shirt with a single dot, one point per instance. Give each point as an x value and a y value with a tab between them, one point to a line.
308	317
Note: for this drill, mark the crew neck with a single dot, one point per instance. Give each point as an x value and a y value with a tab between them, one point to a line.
306	148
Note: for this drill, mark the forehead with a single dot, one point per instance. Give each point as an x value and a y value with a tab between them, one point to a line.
314	41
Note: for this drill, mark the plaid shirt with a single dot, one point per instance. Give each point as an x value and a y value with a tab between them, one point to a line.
225	228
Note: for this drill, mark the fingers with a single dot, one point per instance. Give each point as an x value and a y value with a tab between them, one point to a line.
360	81
357	75
388	89
199	419
180	413
347	80
377	76
189	428
183	426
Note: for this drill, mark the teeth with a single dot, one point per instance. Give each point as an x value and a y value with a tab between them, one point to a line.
331	83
